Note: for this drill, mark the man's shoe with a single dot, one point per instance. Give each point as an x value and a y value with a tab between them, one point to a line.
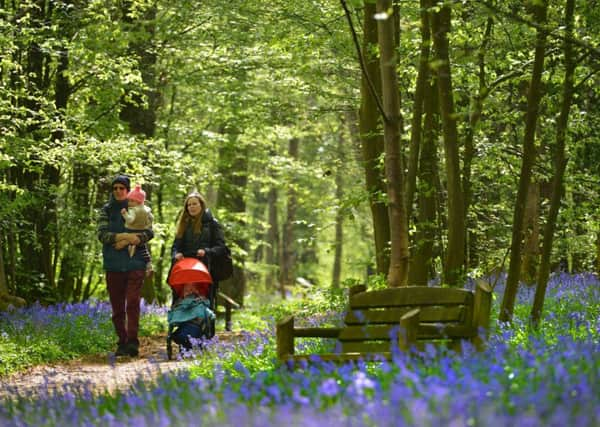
132	349
122	350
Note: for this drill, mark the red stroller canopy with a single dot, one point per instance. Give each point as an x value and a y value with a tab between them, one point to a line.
190	270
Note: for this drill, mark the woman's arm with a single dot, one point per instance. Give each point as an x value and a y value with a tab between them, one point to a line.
176	248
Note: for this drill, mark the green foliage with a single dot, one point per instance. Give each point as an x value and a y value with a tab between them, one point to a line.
235	82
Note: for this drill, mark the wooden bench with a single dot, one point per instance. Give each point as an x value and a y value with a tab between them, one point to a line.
414	315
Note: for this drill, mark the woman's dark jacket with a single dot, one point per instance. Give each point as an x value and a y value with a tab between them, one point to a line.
210	239
111	222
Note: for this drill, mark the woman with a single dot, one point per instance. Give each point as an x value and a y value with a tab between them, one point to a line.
124	274
198	235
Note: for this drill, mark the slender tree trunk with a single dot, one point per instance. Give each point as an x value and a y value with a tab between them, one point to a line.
6	299
560	163
398	272
421	265
417	118
339	215
533	101
531	231
598	253
455	255
3	282
139	111
288	257
73	260
272	253
474	116
372	142
233	166
39	250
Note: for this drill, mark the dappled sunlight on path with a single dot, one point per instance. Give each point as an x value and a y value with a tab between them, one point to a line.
98	373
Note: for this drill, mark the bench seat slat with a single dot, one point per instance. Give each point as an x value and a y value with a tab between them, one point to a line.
365	346
432	331
341	357
367	332
317	332
425	331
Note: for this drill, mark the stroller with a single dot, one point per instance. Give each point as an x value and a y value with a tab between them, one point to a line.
190	273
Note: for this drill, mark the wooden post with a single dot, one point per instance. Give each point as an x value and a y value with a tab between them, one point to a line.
285	338
356	289
409	323
481	312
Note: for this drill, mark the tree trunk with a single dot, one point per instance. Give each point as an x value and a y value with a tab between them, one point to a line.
560	163
272	252
339	215
139	111
73	260
398	272
372	142
3	282
531	230
469	152
417	118
533	101
421	265
455	254
233	166
288	252
597	253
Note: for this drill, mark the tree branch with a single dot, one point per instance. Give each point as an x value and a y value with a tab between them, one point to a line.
361	60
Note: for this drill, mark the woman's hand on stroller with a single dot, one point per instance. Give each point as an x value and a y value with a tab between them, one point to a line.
178	256
200	253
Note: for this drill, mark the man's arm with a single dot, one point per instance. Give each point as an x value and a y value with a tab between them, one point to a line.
106	237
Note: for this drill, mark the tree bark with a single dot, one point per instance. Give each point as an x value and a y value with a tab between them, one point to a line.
417	118
455	255
339	215
560	163
233	166
531	231
421	265
139	110
469	152
371	137
288	252
272	252
533	101
398	272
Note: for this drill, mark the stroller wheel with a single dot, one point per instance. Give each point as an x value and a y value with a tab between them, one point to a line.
211	329
169	349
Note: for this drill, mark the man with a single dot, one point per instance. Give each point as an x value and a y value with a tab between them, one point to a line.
124	274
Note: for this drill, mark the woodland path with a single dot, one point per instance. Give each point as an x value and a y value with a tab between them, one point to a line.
99	373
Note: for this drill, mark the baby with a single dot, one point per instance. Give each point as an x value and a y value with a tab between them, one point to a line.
191	316
138	217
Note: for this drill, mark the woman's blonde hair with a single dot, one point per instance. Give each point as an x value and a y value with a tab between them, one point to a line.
185	218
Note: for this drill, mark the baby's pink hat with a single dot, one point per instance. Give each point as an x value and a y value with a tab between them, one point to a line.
137	194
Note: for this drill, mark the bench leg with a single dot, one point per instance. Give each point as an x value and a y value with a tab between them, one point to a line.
285	339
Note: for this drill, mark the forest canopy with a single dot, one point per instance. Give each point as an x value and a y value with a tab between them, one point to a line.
321	160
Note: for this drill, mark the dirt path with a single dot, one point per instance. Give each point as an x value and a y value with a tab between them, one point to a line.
99	372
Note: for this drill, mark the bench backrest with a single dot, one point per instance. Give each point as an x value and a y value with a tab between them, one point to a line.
372	320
